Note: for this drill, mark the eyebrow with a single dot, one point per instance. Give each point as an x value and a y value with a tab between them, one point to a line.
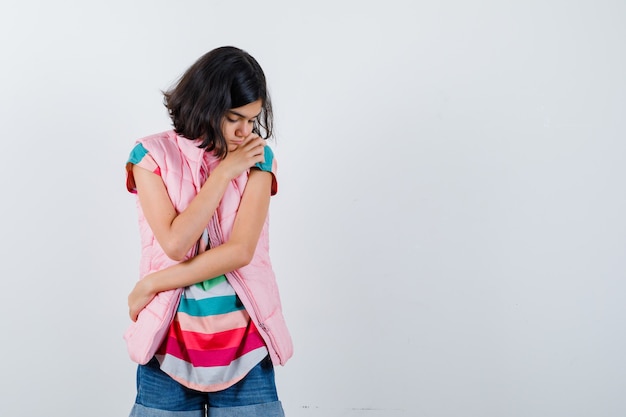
243	116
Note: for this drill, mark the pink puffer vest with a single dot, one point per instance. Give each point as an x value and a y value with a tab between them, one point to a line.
180	162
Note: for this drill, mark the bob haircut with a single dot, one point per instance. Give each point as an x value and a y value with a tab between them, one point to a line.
222	79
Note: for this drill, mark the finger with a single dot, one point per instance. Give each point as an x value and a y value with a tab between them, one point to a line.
249	138
256	145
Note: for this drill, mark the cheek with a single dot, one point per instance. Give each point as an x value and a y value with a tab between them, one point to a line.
228	131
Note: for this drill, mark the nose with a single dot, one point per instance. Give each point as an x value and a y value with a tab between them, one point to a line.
244	129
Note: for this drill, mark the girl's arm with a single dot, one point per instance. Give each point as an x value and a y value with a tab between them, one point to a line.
178	232
233	254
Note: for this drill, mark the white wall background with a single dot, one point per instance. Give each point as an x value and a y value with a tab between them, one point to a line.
449	234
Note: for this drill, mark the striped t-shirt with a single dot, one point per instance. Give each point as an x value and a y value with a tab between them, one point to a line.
212	343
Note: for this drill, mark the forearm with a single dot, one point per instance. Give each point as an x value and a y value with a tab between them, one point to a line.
210	264
188	225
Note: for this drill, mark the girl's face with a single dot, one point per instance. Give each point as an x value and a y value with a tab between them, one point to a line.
238	123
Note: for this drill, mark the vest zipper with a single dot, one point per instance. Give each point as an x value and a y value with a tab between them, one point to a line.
216	232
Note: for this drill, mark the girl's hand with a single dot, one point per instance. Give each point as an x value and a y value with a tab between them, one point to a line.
251	151
139	297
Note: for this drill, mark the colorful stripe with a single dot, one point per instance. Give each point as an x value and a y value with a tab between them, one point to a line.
208	324
210	378
210	306
212	343
137	154
224	348
209	284
268	163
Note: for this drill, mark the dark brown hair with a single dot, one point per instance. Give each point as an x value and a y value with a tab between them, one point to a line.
222	79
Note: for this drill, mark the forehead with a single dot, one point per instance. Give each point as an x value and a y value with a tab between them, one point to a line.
249	111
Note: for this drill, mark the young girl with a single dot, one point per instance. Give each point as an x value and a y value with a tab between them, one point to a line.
203	194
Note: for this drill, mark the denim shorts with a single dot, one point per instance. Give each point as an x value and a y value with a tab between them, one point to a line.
158	395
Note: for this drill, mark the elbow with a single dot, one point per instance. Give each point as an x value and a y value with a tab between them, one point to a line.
174	255
175	251
244	254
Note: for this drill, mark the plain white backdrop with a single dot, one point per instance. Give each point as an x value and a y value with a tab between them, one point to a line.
449	232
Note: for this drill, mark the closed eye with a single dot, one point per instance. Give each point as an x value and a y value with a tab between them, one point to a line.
233	117
250	121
